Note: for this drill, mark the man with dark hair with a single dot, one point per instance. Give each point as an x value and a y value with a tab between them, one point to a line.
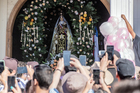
43	76
44	80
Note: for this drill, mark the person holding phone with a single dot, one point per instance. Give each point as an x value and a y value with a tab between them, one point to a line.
11	64
103	67
22	75
4	79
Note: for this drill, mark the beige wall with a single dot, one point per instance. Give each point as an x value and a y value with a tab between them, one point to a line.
6	7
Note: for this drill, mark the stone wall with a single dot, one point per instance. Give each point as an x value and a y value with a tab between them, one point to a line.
6	7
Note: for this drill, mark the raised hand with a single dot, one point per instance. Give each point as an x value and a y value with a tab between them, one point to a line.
123	16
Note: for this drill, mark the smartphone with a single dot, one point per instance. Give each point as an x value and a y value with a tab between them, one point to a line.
21	70
11	82
101	53
2	66
66	56
110	51
82	59
96	77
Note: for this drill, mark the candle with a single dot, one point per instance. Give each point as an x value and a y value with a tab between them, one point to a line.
24	39
37	32
80	29
22	31
34	32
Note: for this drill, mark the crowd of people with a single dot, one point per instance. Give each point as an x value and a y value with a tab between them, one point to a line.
40	78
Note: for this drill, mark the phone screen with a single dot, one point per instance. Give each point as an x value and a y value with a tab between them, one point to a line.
96	77
21	70
110	51
83	60
11	82
66	56
101	53
2	66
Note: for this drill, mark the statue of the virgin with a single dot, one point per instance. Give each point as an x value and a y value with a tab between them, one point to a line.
62	37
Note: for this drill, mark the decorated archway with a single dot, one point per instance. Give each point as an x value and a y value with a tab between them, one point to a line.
10	25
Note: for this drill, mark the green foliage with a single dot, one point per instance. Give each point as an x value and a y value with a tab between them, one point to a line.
32	44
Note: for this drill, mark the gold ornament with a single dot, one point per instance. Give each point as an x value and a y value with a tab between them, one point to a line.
43	4
25	24
26	17
32	20
28	28
82	23
90	19
31	23
81	17
34	47
80	20
84	19
54	0
89	23
32	13
80	50
85	15
27	45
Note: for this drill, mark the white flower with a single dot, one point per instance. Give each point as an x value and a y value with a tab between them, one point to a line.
39	49
35	18
30	49
78	52
47	2
40	55
40	5
36	13
71	1
33	45
76	12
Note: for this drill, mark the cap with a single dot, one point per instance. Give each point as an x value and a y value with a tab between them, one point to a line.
125	67
11	63
74	82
